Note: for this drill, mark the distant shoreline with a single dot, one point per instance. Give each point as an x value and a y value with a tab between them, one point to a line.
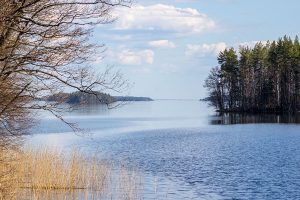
175	99
81	98
132	98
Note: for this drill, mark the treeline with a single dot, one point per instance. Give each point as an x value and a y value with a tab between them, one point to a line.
80	98
262	79
83	98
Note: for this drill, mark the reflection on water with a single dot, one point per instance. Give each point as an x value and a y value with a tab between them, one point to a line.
233	118
119	185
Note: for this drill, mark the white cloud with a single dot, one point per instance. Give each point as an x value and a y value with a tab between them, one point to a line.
204	49
164	18
162	44
129	57
99	60
251	44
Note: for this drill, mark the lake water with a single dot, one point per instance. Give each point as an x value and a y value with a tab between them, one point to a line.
185	151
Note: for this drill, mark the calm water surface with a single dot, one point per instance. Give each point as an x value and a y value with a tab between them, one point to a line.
186	151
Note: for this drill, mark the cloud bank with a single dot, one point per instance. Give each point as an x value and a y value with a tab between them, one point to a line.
162	44
161	17
128	57
202	50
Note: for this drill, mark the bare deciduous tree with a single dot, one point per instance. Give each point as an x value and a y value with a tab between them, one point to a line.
44	49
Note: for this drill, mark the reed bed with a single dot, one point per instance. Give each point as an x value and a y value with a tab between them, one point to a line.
8	175
48	174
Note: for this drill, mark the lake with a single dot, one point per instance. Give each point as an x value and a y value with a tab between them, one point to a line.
186	151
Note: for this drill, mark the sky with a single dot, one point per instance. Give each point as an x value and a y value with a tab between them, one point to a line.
167	48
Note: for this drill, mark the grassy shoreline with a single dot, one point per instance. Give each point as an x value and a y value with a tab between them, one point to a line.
45	173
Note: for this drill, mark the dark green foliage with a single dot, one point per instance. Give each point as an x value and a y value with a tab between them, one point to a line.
265	78
81	98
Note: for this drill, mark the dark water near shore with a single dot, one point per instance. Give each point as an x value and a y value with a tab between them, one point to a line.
186	151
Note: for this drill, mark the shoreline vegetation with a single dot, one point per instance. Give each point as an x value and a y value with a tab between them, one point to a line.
46	48
262	79
49	174
82	98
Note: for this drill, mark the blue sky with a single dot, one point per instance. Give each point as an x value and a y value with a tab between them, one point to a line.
167	48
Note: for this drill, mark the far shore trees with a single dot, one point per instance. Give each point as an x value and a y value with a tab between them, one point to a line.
262	79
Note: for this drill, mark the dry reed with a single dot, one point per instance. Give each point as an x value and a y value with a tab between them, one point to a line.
45	173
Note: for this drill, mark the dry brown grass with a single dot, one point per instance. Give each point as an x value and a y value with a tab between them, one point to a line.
8	175
45	173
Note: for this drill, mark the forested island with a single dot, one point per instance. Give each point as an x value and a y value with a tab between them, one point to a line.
83	98
131	98
262	79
